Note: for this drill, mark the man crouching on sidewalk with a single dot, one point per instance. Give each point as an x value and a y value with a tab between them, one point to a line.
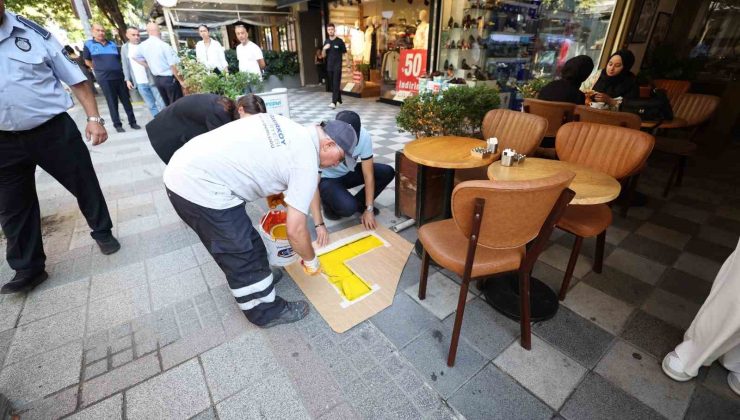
211	177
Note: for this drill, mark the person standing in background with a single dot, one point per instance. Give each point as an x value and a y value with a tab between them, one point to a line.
334	50
320	62
162	60
138	76
210	53
248	53
103	57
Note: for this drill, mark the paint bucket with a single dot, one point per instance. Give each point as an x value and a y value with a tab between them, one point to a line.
274	233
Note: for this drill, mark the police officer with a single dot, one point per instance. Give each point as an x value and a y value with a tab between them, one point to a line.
35	129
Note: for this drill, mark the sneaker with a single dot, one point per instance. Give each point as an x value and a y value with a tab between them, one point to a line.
136	126
108	245
120	129
292	312
23	283
332	105
733	380
673	367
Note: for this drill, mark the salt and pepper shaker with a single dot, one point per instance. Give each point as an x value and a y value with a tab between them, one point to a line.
492	144
510	157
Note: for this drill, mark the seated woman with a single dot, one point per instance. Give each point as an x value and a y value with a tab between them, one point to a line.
194	115
616	82
567	89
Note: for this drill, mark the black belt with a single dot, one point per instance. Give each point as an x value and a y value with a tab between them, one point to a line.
38	127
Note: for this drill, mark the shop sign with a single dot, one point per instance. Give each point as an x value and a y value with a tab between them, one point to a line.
412	64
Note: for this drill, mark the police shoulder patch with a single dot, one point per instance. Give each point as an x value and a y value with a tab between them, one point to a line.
34	26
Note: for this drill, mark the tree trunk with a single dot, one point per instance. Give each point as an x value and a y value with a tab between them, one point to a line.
112	11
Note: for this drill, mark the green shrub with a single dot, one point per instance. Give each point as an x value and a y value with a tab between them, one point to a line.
198	79
281	64
531	88
232	61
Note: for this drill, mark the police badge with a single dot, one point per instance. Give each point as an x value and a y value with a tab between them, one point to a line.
23	44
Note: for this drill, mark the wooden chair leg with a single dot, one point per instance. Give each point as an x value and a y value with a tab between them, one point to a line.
599	257
423	275
681	167
458	321
668	184
571	266
524	310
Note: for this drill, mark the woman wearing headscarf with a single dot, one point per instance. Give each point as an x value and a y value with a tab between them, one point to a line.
616	82
567	89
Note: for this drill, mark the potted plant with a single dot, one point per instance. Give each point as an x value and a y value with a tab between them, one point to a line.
532	87
198	79
281	70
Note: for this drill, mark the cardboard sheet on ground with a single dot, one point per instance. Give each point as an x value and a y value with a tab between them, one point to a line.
360	272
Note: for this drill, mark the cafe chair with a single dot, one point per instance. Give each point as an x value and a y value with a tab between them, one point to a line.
673	88
615	151
556	114
585	113
514	130
492	222
695	110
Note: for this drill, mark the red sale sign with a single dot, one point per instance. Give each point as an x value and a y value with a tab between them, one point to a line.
412	64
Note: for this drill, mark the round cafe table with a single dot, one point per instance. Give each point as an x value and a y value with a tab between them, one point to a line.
590	186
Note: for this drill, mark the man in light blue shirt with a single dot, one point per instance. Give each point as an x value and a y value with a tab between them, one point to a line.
35	130
335	199
162	60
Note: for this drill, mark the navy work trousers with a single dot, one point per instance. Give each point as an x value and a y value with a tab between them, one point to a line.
335	196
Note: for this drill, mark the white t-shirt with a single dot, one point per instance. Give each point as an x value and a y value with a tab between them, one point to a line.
139	71
248	56
211	55
246	160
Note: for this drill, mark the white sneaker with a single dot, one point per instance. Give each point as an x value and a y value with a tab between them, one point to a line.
673	367
733	380
332	105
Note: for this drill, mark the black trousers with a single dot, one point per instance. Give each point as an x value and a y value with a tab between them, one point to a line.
57	147
334	82
238	249
113	91
334	194
169	88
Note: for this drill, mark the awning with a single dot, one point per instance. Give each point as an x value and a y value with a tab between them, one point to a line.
285	3
215	14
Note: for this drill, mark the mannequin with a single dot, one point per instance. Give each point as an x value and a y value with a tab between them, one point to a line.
357	42
367	46
422	31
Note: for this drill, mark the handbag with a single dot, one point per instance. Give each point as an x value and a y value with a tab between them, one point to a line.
655	108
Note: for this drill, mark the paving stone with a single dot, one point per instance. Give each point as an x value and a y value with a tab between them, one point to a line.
117	280
96	353
191	346
6	338
671	308
615	235
675	223
213	274
619	285
10	308
574	336
119	379
145	341
271	398
132	227
122	358
341	412
718	236
650	249
707	405
544	371
107	409
651	334
121	344
404	320
714	379
41	375
50	302
46	334
429	354
701	267
181	393
96	368
208	414
117	309
557	256
664	235
685	285
641	376
607	312
441	297
177	288
710	250
170	263
486	330
202	254
596	398
493	394
52	407
635	265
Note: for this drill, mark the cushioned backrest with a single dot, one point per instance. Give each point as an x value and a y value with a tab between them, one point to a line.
514	130
514	210
601	116
673	88
695	108
556	113
616	151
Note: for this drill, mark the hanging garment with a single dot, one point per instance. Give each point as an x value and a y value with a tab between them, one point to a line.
390	65
367	45
357	43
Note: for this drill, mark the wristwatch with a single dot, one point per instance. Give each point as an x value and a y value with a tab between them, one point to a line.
370	209
98	120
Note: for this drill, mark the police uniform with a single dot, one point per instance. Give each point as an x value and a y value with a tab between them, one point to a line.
35	129
160	57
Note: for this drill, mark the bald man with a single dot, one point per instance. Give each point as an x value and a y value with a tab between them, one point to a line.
162	61
104	58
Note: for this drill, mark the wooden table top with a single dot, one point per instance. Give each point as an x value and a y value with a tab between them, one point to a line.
447	152
591	187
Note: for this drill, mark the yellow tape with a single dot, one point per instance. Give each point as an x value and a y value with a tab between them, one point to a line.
339	274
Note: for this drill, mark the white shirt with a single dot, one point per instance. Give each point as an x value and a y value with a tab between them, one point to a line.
246	160
159	56
211	55
139	71
248	56
357	42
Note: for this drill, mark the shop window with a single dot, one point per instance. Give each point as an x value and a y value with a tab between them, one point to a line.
715	40
286	37
267	44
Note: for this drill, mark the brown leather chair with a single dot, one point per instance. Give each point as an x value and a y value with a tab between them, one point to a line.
514	130
556	114
491	223
673	88
696	110
616	151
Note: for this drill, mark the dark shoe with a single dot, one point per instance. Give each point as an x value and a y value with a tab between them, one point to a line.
465	65
108	245
23	283
120	129
136	126
329	213
292	312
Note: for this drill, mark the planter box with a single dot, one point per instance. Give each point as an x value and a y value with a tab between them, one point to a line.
407	176
273	82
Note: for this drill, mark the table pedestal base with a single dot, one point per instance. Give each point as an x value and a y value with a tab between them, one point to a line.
502	293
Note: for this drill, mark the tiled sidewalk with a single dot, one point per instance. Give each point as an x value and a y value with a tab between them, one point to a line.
153	332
